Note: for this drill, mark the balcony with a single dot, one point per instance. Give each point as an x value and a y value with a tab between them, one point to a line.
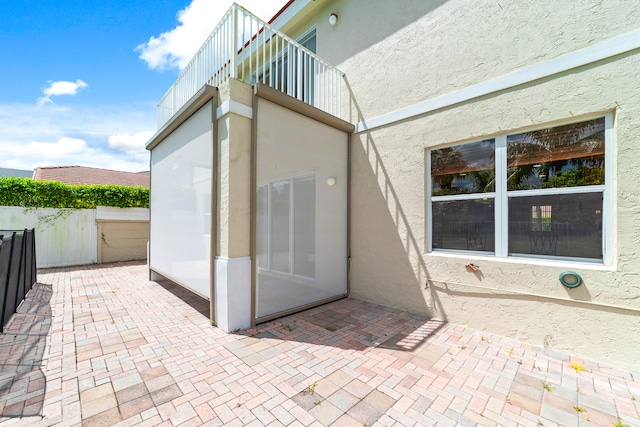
244	47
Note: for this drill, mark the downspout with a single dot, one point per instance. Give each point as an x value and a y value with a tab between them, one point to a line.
214	208
253	181
149	223
348	215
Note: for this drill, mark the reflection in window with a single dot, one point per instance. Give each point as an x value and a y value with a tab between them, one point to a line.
467	171
292	71
463	169
573	231
543	217
563	156
464	225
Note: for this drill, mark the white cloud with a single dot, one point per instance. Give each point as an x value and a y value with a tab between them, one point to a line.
64	88
63	147
58	88
130	166
130	142
176	47
79	135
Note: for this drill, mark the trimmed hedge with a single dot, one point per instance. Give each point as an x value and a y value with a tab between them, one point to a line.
29	193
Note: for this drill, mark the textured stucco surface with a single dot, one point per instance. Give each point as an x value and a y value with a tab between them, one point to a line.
122	241
398	54
234	174
389	197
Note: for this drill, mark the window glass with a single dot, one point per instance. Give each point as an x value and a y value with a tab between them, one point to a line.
563	156
542	216
301	83
464	225
464	168
309	41
566	225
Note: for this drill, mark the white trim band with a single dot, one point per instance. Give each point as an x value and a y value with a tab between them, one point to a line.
581	57
234	107
121	214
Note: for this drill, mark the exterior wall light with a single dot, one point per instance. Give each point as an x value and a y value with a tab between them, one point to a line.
570	279
333	19
331	181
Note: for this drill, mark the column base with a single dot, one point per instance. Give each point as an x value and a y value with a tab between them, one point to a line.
232	297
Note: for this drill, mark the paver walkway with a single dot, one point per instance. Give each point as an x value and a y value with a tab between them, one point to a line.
102	345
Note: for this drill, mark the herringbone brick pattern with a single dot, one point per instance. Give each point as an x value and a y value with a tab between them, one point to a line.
102	345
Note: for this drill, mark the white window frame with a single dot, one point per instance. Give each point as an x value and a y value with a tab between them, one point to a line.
501	197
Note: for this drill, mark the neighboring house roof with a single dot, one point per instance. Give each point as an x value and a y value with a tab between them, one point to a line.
87	175
18	173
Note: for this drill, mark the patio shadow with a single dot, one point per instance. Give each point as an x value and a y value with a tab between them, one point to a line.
22	346
351	324
201	305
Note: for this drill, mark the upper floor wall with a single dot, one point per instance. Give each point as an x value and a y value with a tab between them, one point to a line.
395	54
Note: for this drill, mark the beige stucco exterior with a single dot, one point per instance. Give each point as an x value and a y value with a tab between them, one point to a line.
395	55
122	241
234	173
422	74
398	54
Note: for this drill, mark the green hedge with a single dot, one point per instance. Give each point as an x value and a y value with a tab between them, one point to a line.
29	193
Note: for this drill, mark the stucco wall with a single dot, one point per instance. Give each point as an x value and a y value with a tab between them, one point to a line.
122	241
399	54
234	173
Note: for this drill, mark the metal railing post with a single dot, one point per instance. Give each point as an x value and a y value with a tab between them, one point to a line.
285	65
173	101
234	41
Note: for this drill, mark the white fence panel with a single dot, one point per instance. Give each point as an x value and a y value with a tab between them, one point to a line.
64	237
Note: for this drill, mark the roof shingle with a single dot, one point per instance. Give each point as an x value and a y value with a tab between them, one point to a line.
87	175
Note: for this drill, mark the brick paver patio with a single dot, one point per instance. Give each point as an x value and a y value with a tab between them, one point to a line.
101	345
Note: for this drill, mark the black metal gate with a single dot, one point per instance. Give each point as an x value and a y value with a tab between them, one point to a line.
17	270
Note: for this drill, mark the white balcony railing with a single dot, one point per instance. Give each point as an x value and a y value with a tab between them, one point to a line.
246	48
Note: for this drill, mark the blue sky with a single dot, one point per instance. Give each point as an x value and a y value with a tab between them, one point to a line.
80	80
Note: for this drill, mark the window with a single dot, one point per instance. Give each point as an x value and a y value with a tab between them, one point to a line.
463	186
536	194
